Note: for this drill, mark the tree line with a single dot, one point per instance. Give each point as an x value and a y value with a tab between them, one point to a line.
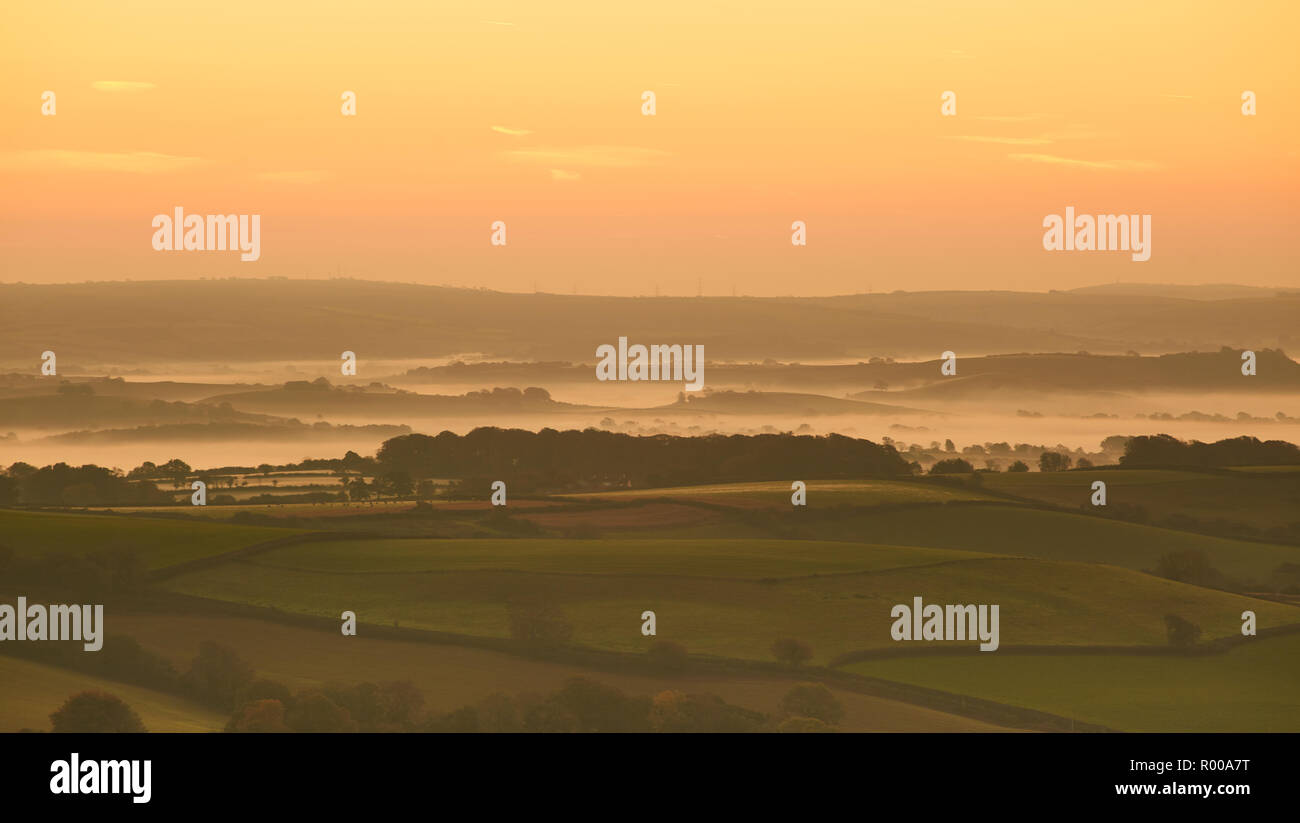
554	459
64	485
1166	450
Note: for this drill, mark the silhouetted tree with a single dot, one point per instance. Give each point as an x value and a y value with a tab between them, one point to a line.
791	651
217	675
1182	633
953	465
1053	462
96	712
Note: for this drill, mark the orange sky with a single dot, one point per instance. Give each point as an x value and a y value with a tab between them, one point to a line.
527	112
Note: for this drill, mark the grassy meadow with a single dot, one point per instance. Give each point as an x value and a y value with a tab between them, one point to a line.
728	569
158	542
1250	688
717	602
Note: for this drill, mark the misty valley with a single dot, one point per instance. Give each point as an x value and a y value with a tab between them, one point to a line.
1089	516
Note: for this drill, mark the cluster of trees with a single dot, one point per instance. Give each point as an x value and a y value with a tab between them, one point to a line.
953	465
268	706
583	705
178	473
580	705
577	459
64	485
95	712
91	485
396	484
1047	461
1192	566
993	455
175	470
121	658
1166	450
1056	462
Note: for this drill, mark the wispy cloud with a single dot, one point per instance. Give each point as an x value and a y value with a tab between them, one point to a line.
308	176
1179	96
496	23
1010	141
1110	165
1078	131
122	85
1008	118
136	162
510	131
560	175
594	156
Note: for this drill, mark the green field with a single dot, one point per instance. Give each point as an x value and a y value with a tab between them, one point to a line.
821	493
735	559
708	595
1026	532
1262	501
1252	688
33	690
159	542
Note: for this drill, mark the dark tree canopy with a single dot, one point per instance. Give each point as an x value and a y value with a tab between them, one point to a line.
96	712
1166	450
551	458
953	465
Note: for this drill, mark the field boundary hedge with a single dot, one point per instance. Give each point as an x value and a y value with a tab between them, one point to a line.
1221	645
974	708
208	562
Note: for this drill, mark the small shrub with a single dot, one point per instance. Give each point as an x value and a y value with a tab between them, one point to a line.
791	651
667	655
813	700
1182	633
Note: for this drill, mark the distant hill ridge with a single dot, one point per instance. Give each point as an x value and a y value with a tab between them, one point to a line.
129	323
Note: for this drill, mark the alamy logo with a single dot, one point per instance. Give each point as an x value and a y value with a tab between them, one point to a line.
213	232
55	622
951	622
1105	232
640	362
74	776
